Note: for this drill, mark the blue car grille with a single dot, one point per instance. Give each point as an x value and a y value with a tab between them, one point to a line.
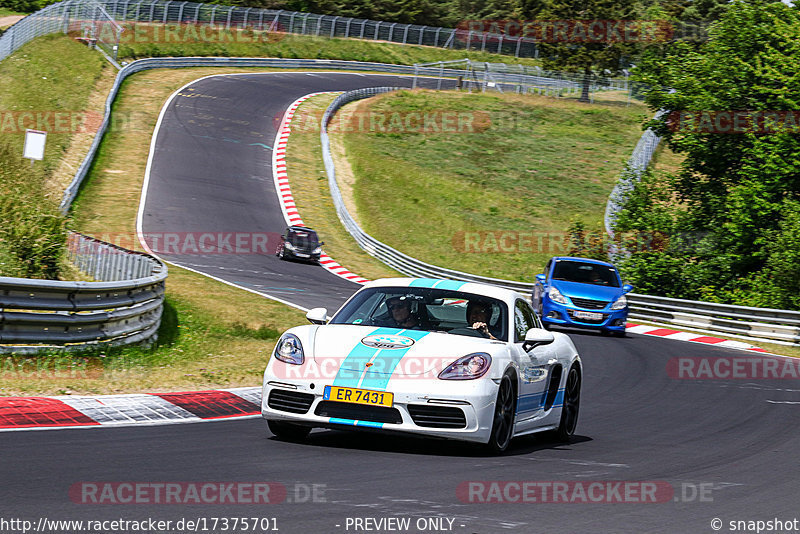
589	304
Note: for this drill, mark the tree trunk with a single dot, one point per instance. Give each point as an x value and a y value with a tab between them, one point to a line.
587	79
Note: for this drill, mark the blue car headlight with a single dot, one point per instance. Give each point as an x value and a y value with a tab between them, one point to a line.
317	250
556	296
620	304
289	349
289	246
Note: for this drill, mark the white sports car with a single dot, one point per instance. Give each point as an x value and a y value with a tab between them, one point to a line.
441	358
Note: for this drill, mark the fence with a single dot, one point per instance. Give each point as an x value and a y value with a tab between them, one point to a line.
637	164
321	26
517	78
743	322
124	307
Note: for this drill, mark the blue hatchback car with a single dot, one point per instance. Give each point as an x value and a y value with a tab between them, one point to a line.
583	293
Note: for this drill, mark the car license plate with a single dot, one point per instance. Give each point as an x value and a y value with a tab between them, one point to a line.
358	396
587	315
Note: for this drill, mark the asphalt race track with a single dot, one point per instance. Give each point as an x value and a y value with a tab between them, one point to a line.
726	449
211	173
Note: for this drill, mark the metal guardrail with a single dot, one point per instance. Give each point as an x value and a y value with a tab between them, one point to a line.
124	307
776	326
737	321
394	258
171	63
764	324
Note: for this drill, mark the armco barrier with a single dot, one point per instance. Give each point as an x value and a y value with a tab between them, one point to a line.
319	64
740	322
777	326
124	307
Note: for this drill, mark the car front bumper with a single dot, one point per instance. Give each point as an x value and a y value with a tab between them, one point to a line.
415	406
564	314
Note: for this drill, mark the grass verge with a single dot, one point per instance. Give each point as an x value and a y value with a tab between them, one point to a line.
494	195
212	334
41	93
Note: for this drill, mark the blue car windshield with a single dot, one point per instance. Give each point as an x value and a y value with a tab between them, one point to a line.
586	273
419	308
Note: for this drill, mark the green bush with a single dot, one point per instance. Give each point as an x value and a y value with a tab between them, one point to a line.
32	229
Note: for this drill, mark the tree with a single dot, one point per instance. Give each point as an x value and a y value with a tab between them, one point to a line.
582	47
741	178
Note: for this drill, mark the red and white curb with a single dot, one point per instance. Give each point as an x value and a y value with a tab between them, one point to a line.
281	178
71	411
668	333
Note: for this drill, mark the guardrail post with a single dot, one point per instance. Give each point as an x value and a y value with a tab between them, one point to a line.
333	27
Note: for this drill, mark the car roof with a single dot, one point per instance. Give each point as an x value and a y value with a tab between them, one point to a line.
476	288
585	260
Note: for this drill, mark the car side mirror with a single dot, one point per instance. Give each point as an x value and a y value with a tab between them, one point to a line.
283	237
317	315
627	288
541	278
535	337
321	243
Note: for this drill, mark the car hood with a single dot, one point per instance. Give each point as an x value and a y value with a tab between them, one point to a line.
392	351
587	291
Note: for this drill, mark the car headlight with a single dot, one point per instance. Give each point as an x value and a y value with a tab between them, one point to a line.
317	250
620	303
556	296
467	367
289	349
289	245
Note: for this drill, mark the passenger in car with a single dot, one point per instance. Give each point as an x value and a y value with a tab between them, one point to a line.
479	313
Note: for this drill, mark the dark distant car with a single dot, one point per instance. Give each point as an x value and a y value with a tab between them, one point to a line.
300	243
582	292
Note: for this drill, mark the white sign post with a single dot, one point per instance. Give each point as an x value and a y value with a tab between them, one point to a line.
34	145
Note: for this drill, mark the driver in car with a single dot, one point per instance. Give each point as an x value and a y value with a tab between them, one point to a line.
479	313
401	316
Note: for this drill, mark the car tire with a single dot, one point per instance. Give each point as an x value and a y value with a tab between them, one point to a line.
282	254
504	415
570	407
619	333
288	431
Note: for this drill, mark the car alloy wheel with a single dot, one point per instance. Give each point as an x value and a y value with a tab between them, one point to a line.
571	406
504	412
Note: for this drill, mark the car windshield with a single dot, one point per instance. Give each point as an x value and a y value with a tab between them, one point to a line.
302	238
434	310
586	273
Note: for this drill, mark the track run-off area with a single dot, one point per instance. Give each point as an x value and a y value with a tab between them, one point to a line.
657	449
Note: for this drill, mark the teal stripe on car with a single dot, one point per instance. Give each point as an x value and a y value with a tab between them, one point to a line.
453	285
423	282
385	362
352	422
354	364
